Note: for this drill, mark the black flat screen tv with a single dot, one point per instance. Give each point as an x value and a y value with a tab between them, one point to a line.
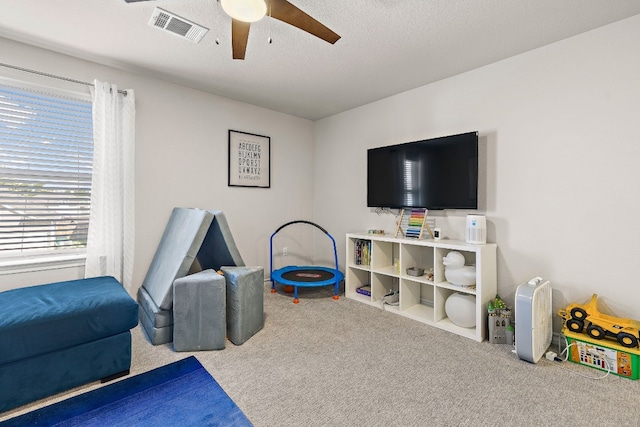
438	173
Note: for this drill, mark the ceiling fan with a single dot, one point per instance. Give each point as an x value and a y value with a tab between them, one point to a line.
244	12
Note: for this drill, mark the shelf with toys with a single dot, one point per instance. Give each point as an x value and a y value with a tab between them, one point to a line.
416	269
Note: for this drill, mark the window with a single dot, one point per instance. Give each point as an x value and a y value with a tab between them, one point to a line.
46	151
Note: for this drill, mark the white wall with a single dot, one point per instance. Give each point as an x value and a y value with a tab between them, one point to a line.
559	131
181	160
560	154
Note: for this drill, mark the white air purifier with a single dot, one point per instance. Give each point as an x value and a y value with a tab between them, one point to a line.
534	329
476	229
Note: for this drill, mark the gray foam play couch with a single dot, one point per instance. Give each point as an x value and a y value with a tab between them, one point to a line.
194	240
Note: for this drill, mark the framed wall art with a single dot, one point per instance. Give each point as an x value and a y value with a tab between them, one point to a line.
249	160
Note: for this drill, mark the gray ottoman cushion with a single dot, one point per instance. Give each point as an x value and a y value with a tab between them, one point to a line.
159	318
157	336
245	302
199	321
178	247
218	247
157	323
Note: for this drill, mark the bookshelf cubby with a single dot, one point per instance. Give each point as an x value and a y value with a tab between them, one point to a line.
422	298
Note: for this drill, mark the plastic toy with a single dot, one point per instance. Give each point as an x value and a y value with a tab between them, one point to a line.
460	309
577	317
500	322
456	272
305	276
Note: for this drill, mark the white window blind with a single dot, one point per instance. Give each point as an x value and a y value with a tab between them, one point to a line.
46	151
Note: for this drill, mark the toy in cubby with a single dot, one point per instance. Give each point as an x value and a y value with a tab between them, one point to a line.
456	272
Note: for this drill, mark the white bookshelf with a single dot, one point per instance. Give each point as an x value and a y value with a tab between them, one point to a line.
421	299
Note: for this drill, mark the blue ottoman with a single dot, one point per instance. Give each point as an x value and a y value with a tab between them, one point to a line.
61	335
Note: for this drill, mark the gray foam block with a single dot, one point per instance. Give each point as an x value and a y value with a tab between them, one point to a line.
218	247
159	318
245	302
156	335
199	321
157	323
176	251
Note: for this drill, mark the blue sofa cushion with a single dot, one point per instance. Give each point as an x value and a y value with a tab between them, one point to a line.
55	316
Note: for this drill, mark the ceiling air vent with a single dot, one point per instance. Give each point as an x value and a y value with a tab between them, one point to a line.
179	26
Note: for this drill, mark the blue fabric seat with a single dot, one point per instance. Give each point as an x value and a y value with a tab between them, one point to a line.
61	335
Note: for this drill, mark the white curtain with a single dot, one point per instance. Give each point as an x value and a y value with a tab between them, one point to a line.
110	240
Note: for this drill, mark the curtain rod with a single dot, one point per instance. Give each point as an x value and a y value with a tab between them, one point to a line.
53	76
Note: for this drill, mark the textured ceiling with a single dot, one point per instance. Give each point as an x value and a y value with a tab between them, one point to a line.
387	46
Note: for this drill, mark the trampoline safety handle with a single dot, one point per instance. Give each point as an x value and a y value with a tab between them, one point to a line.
333	241
300	221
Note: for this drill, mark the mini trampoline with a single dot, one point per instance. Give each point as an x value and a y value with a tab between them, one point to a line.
306	276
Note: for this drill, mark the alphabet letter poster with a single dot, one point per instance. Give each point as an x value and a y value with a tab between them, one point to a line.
249	160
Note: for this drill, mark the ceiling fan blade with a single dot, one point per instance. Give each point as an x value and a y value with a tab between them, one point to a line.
284	11
134	1
239	37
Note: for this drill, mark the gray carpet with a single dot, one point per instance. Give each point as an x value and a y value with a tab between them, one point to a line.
341	363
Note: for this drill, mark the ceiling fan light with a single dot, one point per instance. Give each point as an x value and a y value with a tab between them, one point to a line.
245	10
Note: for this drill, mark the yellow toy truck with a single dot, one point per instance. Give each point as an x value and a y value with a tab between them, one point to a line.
577	317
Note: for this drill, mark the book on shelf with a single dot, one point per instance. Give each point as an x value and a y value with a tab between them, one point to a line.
362	252
364	290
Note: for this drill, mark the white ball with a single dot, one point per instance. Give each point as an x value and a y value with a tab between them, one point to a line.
461	309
